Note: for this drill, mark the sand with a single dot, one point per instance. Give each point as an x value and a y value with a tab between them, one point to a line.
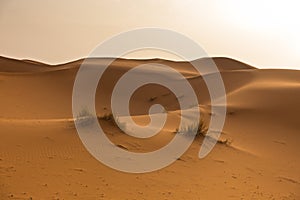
42	157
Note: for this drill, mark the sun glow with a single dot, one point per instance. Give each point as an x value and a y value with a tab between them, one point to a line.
265	14
276	20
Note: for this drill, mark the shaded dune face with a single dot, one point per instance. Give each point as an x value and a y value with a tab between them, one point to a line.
257	155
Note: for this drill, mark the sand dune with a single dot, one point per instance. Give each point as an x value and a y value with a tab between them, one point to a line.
42	157
25	66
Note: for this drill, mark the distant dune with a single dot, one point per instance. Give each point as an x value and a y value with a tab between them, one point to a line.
42	157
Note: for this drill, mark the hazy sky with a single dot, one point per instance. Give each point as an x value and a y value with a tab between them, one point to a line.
262	33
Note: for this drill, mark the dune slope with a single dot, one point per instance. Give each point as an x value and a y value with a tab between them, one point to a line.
42	157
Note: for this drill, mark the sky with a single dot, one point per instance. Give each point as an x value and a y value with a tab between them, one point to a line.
262	33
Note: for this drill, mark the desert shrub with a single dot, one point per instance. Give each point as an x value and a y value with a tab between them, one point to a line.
107	117
194	128
84	118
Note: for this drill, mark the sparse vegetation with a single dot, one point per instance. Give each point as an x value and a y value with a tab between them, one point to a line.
84	118
225	141
152	98
194	128
200	130
230	112
84	113
116	120
107	117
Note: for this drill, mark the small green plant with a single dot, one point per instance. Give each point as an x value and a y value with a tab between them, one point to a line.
194	129
84	118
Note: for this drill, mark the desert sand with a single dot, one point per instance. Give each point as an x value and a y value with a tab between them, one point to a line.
42	157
